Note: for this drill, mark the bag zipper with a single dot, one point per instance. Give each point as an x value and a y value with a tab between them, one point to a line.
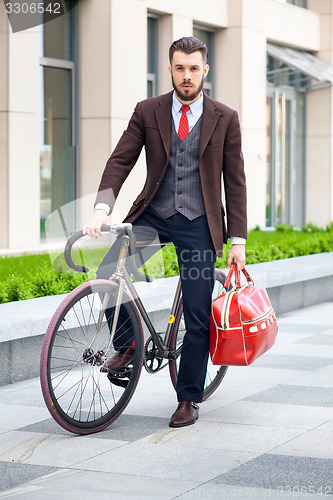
258	318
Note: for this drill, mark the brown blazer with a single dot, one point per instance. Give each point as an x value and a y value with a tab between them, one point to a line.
220	153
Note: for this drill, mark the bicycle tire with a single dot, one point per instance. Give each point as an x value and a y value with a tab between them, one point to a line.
214	374
80	397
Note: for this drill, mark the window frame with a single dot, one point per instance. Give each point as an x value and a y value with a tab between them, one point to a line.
208	84
152	77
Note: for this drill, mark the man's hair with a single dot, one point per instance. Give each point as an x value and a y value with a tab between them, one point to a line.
188	45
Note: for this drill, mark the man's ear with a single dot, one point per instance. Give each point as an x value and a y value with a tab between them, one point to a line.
170	70
206	69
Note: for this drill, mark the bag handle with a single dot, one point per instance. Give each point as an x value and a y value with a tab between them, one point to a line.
234	269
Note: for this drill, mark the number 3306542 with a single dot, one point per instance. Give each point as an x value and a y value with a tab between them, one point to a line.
32	8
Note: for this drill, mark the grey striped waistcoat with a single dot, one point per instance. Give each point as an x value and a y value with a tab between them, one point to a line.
180	190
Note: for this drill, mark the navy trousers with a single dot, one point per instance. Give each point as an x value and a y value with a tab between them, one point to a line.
196	259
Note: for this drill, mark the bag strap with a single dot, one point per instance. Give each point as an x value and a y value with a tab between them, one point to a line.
234	270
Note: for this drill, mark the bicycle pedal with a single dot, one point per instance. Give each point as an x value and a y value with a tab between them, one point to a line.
121	382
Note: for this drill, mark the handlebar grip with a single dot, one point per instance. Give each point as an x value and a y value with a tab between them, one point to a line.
68	250
68	256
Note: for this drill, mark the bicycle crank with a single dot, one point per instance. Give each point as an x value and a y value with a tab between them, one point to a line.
151	361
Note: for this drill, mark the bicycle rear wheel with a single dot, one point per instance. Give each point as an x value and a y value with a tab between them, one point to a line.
80	397
214	374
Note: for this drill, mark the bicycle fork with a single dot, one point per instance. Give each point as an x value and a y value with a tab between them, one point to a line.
118	277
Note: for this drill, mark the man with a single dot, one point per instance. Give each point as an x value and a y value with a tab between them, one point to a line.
190	141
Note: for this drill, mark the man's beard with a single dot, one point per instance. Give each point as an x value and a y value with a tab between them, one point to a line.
188	94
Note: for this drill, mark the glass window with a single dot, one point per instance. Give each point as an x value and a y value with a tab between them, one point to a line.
208	38
57	155
285	149
152	55
299	170
57	37
57	144
269	155
279	73
298	3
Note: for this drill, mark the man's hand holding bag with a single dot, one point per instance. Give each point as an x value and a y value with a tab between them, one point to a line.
242	324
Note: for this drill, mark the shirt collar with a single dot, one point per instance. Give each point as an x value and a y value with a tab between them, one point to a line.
195	108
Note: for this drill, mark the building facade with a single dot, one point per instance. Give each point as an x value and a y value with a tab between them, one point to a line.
68	88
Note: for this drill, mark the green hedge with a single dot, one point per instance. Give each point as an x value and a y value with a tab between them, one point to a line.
30	276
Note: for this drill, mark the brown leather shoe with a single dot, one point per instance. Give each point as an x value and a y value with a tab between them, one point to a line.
186	413
119	361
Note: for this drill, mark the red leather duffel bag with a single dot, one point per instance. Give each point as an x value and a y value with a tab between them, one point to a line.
242	324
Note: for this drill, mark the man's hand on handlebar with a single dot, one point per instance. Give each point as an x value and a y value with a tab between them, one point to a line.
93	228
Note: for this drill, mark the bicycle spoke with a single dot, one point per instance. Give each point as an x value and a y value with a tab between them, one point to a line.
65	373
81	396
101	398
76	384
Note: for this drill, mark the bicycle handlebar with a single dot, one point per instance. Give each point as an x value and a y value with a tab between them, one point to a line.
120	230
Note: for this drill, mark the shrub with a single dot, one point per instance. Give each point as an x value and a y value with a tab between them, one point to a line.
15	288
31	276
45	281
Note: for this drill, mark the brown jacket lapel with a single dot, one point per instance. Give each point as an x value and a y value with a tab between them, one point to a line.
210	117
163	117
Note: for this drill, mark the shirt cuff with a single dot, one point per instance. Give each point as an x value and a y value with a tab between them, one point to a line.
103	206
235	240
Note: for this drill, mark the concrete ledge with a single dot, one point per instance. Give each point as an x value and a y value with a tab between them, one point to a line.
297	282
291	284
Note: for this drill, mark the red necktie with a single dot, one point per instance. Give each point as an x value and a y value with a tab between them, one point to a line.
183	123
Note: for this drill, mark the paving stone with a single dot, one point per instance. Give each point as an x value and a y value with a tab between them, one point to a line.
316	379
291	394
271	414
285	361
125	428
51	450
291	328
318	339
12	474
212	491
15	416
316	443
86	485
285	473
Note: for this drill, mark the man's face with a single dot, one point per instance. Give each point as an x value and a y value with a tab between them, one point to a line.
188	72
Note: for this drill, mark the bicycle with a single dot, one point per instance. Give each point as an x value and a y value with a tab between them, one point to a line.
79	340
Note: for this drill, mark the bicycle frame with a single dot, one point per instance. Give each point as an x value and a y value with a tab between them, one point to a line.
122	278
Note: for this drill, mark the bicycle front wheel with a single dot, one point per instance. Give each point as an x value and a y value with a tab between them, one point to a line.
80	397
214	374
